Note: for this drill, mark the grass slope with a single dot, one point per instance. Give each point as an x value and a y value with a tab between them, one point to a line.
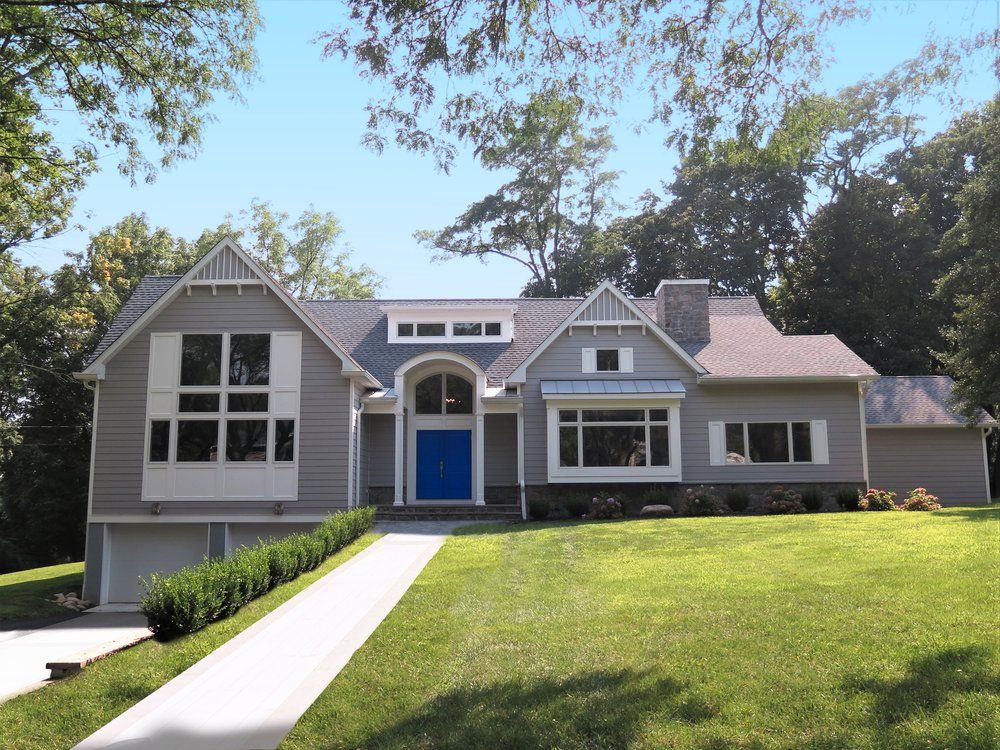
64	713
23	594
826	631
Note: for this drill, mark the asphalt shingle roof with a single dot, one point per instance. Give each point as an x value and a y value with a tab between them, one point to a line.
915	399
743	342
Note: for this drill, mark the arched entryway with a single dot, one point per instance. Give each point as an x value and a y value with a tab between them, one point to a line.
443	423
439	423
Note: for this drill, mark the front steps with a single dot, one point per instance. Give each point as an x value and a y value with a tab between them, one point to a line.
511	512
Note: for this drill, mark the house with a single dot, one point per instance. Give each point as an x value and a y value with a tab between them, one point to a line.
225	410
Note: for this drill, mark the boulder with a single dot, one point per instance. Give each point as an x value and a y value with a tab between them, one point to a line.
656	511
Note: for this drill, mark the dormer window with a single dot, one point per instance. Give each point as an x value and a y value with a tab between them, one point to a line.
440	324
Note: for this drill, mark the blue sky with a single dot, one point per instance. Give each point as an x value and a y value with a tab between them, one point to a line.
296	142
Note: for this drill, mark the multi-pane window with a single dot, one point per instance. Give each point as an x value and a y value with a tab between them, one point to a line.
223	400
459	329
768	442
614	437
443	394
607	360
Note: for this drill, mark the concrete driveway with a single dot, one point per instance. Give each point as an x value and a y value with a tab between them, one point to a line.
250	692
23	654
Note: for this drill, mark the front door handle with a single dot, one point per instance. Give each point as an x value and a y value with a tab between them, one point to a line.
441	467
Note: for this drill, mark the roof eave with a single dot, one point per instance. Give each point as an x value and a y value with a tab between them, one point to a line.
740	379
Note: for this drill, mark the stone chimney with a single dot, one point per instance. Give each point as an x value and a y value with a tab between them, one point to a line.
682	308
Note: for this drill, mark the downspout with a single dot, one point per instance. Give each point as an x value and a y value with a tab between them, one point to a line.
862	389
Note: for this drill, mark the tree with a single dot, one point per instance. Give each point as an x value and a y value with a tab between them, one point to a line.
305	257
865	272
972	353
455	68
543	217
127	73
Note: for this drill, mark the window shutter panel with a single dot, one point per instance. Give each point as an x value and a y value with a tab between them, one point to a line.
589	360
164	359
820	447
717	443
625	359
286	359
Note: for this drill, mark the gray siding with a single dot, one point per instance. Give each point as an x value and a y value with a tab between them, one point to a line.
837	403
948	461
380	437
323	419
500	448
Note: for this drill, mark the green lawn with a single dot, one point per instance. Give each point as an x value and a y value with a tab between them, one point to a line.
24	595
64	713
828	631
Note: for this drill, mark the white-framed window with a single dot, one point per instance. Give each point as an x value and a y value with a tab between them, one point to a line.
616	441
445	323
760	442
607	359
225	403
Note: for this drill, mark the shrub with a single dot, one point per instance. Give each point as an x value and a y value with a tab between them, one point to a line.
538	508
779	501
813	499
738	500
847	498
604	506
878	500
920	499
702	501
191	598
576	505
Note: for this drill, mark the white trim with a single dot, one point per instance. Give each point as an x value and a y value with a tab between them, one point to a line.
520	461
986	469
105	563
449	315
351	425
520	374
90	491
397	475
349	364
864	434
566	474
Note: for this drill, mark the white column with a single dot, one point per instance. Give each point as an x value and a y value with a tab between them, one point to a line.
398	477
520	461
480	458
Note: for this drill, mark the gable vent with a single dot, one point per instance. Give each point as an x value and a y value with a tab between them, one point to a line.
607	307
225	266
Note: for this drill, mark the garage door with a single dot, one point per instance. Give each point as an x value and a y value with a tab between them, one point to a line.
140	549
248	534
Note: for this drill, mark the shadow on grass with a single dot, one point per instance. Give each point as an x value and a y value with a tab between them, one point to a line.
929	683
980	513
602	709
25	602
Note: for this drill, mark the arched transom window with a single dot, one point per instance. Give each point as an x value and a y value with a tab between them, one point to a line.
443	394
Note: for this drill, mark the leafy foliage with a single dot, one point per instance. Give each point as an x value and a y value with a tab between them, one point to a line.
188	600
702	501
603	507
879	500
129	74
920	499
543	217
455	69
781	500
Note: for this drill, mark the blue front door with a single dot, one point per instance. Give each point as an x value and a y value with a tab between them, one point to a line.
444	464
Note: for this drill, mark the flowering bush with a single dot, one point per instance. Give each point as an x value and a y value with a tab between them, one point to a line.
702	501
604	506
920	499
778	501
878	500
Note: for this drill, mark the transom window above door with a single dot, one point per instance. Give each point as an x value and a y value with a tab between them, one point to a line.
443	393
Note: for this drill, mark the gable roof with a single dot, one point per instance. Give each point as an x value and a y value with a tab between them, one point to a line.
606	292
153	293
743	345
916	400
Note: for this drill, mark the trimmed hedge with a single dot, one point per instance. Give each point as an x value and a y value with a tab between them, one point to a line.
191	598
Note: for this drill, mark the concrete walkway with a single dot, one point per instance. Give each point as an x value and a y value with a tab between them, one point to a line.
250	692
23	656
